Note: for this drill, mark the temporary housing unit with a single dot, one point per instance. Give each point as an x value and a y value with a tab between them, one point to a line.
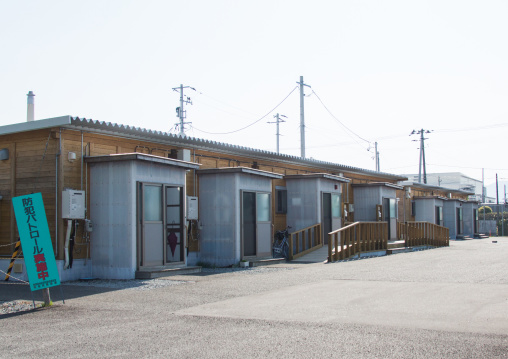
429	209
413	191
137	205
56	157
453	217
315	198
236	216
470	218
377	202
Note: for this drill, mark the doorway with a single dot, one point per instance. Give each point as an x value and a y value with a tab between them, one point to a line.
331	215
475	221
161	229
390	216
439	215
256	224
459	221
249	224
174	235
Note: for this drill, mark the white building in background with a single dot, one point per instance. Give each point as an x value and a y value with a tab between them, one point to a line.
454	180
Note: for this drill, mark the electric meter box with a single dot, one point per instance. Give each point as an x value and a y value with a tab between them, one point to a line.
73	204
192	208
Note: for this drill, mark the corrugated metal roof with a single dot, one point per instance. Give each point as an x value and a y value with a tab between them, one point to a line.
247	170
198	143
166	138
319	175
434	187
378	184
115	157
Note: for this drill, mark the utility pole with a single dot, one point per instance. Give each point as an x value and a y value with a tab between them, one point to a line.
483	195
180	112
483	186
377	158
279	120
302	118
422	154
502	213
497	200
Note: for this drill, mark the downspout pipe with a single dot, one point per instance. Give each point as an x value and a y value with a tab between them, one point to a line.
66	247
57	207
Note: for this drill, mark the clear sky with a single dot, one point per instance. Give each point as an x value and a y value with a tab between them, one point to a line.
381	68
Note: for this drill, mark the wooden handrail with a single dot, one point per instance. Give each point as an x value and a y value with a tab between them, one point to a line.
418	233
355	238
304	241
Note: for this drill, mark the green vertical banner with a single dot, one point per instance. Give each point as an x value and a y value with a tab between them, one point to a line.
36	241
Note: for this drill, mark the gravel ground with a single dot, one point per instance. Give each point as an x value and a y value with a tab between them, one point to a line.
15	306
187	320
134	284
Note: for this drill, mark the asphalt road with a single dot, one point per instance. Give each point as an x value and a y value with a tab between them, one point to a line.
441	303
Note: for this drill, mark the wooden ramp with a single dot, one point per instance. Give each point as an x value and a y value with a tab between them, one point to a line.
321	255
318	256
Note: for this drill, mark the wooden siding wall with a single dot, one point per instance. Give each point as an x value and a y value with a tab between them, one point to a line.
18	174
25	172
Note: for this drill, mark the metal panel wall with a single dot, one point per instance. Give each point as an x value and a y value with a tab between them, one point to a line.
450	216
426	209
366	199
219	207
469	218
304	200
304	205
113	212
111	199
220	210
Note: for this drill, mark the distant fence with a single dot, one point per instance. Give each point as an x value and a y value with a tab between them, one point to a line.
488	227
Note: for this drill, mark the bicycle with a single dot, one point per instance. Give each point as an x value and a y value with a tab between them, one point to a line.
280	247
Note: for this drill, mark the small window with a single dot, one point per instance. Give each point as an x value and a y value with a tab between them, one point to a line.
413	208
282	200
153	203
335	205
393	208
262	207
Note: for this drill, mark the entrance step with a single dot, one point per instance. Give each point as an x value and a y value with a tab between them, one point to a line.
399	250
266	261
481	235
396	244
166	272
463	237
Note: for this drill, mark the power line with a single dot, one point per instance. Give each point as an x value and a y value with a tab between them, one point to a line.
475	168
336	119
224	103
249	125
225	111
497	125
